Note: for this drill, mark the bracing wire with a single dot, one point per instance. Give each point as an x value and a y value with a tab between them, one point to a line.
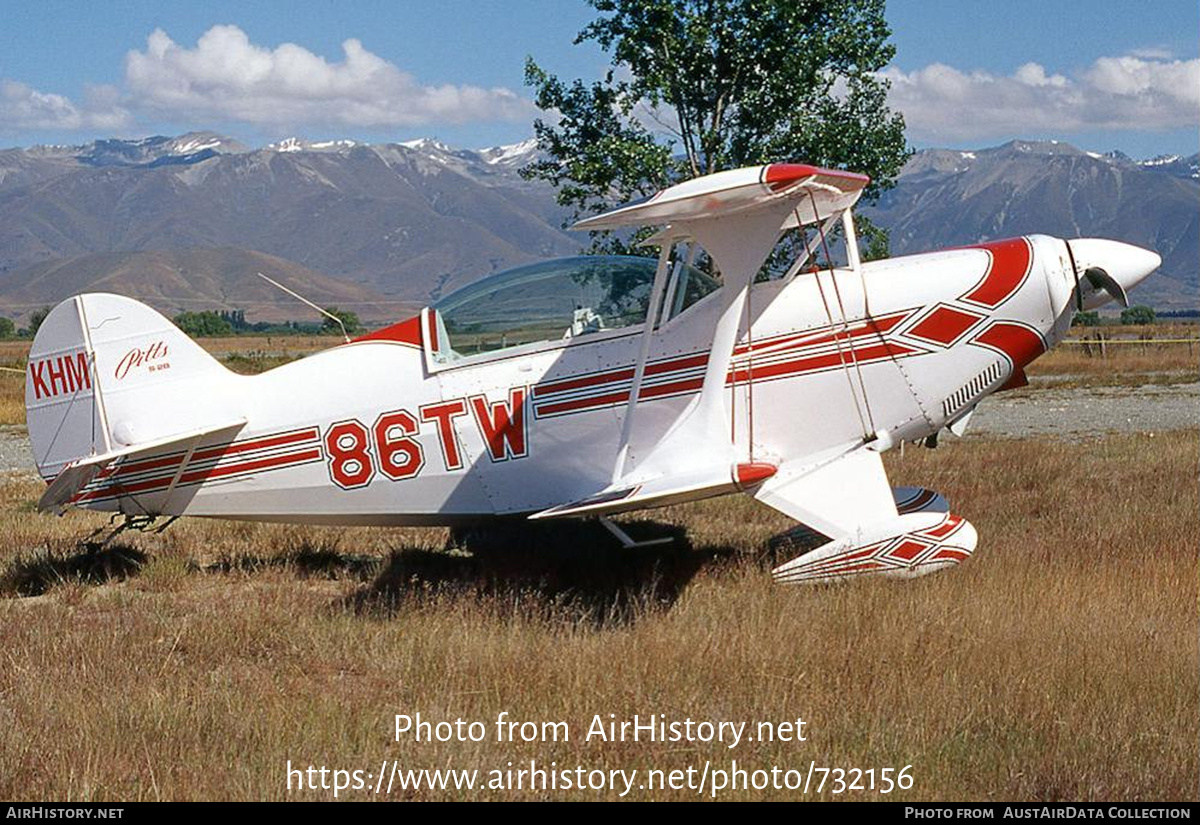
842	308
837	340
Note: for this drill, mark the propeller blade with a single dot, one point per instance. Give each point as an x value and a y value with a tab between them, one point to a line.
1099	279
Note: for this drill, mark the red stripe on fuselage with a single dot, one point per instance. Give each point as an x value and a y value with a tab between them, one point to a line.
232	448
1018	342
878	326
818	363
614	376
162	482
1009	262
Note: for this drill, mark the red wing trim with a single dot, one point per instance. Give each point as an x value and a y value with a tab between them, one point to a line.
752	472
779	176
117	489
431	324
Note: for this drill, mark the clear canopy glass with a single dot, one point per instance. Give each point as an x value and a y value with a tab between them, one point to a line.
558	300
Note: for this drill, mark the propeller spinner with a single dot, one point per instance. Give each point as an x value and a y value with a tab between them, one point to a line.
1106	270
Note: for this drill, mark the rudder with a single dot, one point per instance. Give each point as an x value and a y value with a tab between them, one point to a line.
107	372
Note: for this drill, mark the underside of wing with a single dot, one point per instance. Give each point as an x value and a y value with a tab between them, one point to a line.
663	490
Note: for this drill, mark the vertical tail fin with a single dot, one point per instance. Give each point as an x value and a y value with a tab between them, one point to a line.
107	373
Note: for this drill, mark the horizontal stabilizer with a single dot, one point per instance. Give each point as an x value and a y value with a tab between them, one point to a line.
664	490
80	473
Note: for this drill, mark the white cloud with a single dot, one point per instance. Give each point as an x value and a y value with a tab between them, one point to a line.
226	76
1032	74
1139	93
1153	53
23	108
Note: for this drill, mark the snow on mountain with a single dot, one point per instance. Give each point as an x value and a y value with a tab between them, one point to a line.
394	216
156	150
295	144
511	153
426	144
498	159
1160	160
184	146
291	144
942	199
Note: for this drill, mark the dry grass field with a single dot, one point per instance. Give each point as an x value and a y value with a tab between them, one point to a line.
1130	354
1060	663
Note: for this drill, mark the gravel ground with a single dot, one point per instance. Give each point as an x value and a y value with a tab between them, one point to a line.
1088	412
15	457
1065	413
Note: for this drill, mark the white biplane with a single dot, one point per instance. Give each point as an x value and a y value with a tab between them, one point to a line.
590	386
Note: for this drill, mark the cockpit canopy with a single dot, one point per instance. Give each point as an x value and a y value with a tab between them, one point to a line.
558	300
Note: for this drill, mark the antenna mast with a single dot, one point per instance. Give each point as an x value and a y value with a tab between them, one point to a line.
324	312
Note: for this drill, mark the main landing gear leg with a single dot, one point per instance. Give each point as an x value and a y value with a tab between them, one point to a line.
141	523
627	541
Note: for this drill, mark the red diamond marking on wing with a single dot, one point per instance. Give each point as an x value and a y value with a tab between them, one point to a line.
945	528
908	550
944	325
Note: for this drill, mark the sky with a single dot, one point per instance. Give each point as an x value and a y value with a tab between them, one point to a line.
1102	74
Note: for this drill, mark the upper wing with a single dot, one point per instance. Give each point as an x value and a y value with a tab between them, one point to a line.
814	194
737	217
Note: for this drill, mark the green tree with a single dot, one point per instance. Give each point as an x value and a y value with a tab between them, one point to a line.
36	318
236	319
7	328
699	86
349	321
1086	319
203	324
1137	314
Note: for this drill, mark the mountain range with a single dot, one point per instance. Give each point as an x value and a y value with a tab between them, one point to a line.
183	222
949	197
406	222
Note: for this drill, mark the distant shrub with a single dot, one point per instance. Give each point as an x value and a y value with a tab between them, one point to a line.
35	320
349	321
203	324
1137	314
